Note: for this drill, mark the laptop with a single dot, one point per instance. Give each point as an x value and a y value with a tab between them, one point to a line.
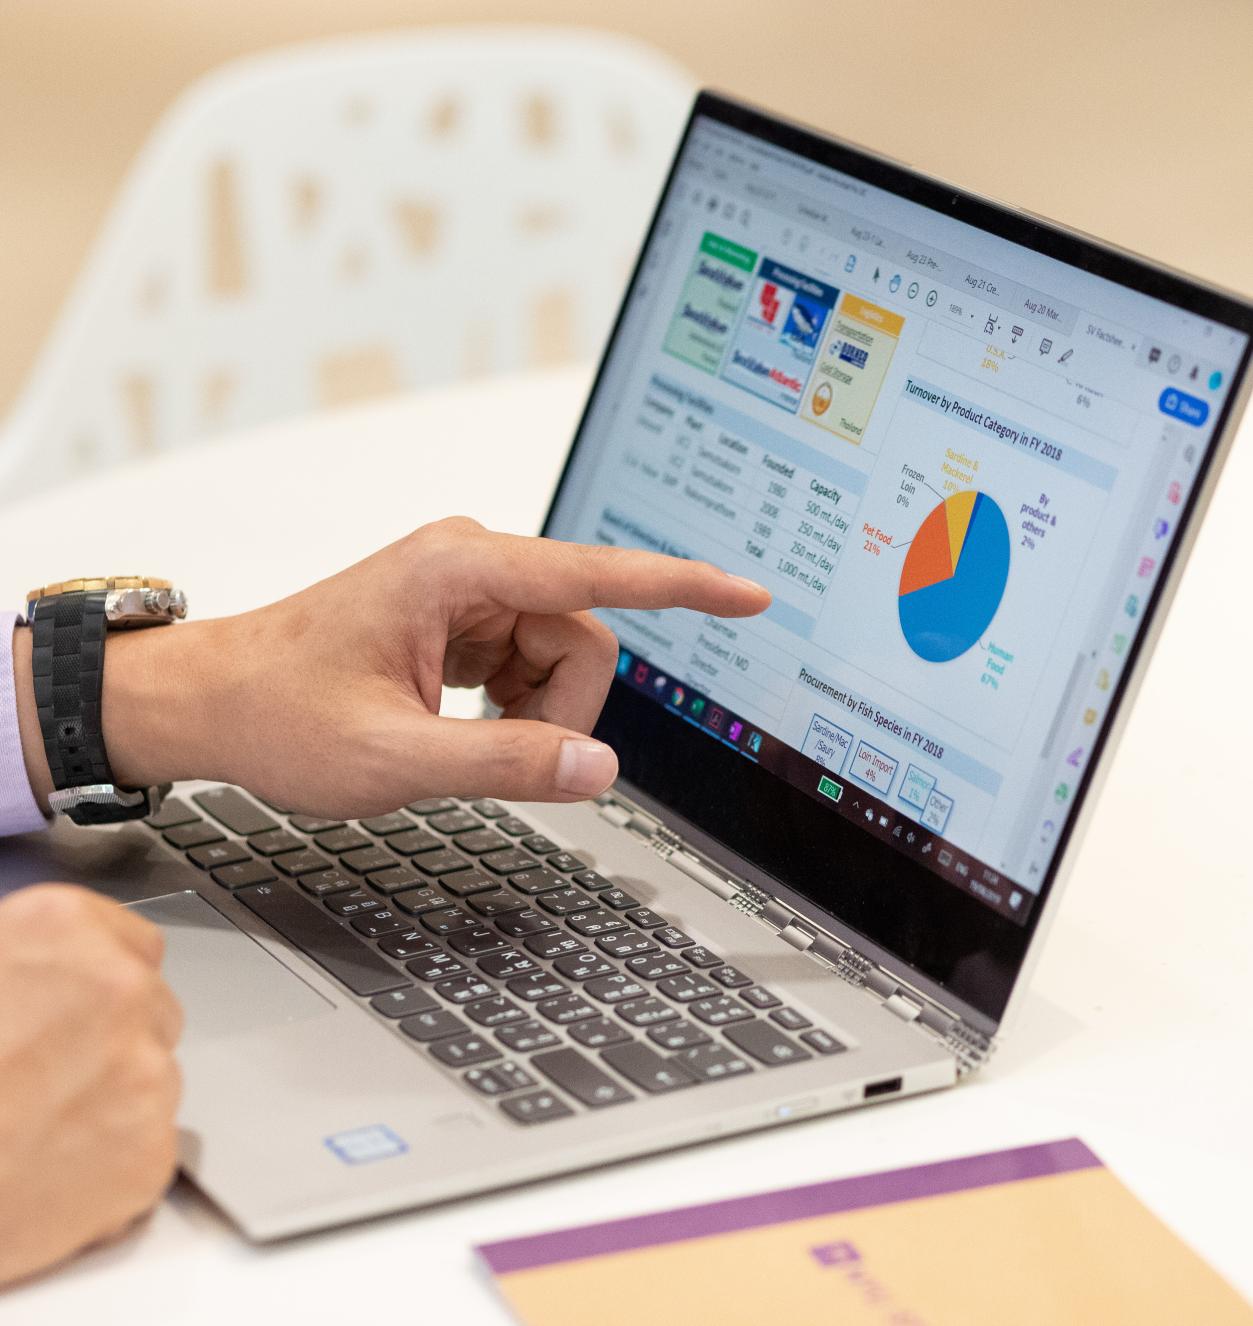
967	451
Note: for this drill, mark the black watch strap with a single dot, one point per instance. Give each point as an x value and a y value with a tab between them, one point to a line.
68	638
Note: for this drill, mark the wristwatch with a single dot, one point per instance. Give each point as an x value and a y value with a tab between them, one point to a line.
69	623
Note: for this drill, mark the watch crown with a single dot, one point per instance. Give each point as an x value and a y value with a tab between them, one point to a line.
156	600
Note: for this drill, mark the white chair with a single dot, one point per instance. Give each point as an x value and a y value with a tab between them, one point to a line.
335	221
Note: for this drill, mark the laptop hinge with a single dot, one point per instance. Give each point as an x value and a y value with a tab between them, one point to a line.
969	1046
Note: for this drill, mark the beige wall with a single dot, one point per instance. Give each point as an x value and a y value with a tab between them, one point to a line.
1129	118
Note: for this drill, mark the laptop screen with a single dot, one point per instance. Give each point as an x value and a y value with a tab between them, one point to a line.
958	447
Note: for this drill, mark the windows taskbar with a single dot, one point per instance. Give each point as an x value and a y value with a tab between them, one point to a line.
843	795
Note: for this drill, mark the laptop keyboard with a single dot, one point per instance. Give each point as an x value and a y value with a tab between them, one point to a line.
495	951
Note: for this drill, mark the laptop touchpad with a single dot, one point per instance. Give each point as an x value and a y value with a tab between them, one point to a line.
226	982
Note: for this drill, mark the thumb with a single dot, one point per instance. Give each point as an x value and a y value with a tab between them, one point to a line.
513	758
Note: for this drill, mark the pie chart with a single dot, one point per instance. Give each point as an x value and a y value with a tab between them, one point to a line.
954	576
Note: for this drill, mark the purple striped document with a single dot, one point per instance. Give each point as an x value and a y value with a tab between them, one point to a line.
1041	1234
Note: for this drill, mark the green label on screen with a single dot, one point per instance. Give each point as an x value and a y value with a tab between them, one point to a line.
830	788
728	251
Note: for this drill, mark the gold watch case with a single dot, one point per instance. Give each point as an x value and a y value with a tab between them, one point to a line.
130	601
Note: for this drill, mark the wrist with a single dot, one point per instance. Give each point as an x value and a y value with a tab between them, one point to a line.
160	707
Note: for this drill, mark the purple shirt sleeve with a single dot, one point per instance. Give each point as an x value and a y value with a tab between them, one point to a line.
19	811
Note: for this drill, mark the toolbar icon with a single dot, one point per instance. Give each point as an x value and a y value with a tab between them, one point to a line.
1015	335
1155	354
1065	355
932	296
697	707
913	289
624	663
1046	345
990	326
715	718
895	283
754	742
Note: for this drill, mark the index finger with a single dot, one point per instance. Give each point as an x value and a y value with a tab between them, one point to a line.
549	576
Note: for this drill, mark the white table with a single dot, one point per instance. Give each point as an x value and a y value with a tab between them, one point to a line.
1138	1031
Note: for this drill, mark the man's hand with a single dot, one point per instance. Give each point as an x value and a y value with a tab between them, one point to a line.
328	702
88	1083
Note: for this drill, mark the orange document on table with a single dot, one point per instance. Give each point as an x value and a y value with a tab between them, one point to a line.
1037	1236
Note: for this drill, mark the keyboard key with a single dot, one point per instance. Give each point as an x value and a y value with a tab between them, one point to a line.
766	1043
513	826
617	899
720	1011
274	841
614	988
536	986
336	950
687	987
653	966
523	1037
537	881
245	872
498	903
581	965
454	821
496	1012
509	862
645	918
173	812
625	944
366	859
382	825
525	922
587	879
711	1062
394	880
432	805
539	844
479	841
417	901
678	1035
565	902
411	944
597	1033
218	854
552	945
597	922
760	997
508	962
700	956
414	842
327	881
448	920
647	1069
568	1008
373	925
585	1081
672	938
645	1012
458	1051
731	977
499	1080
462	989
568	862
488	809
433	1025
437	966
462	883
305	862
313	823
790	1018
193	835
229	806
351	904
823	1041
474	943
343	839
401	1003
440	863
536	1107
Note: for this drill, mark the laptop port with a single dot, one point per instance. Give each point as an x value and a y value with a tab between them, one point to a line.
883	1088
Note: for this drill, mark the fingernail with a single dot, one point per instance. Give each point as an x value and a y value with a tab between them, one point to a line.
752	584
585	768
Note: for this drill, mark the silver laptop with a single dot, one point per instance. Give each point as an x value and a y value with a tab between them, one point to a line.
966	451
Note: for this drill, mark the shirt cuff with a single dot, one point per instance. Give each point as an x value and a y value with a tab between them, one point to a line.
19	811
